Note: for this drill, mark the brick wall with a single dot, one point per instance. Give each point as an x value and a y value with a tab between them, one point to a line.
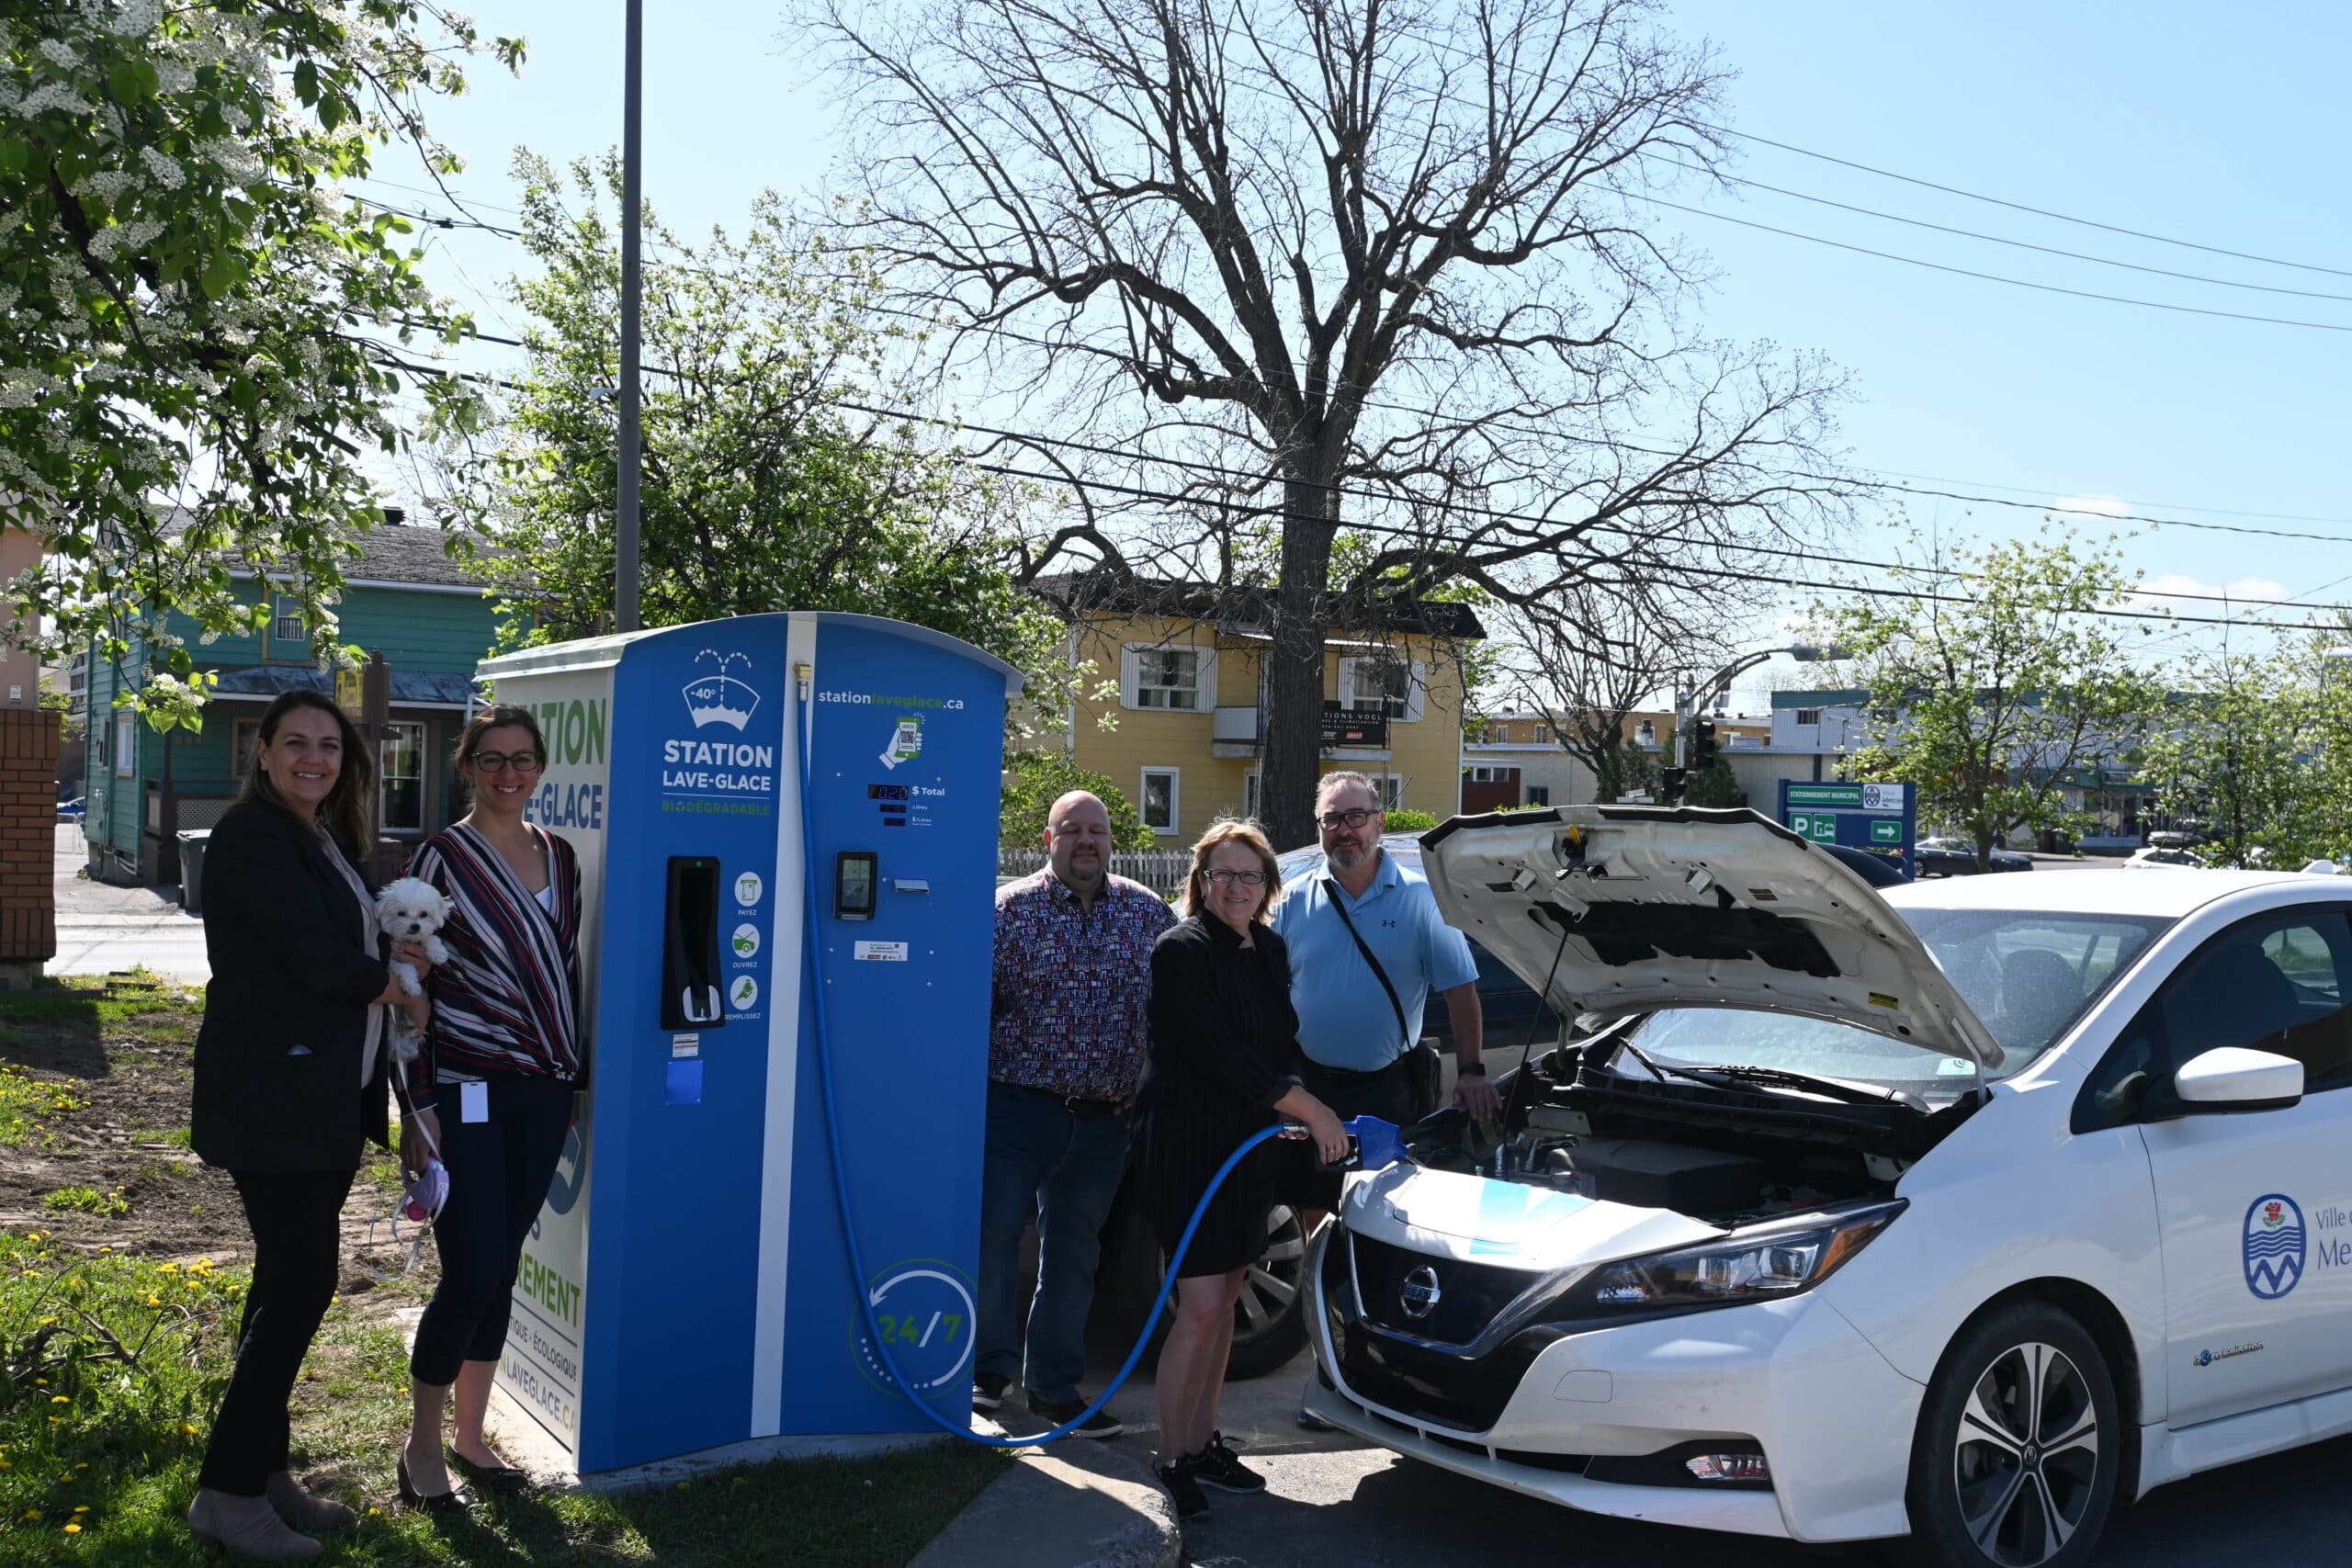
27	835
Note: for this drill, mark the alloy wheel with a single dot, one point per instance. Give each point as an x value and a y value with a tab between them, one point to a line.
1270	1288
2026	1455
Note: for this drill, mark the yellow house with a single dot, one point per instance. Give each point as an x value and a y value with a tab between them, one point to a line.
1187	734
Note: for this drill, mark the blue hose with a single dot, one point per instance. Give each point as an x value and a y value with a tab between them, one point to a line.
849	1230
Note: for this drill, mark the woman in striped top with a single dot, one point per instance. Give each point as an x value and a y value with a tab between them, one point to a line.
494	1085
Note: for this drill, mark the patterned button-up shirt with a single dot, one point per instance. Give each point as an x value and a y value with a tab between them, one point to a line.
1068	1010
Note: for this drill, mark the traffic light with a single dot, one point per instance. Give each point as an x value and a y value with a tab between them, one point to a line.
1702	744
1671	784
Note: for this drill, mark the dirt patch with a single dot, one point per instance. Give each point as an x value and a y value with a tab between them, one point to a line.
110	1062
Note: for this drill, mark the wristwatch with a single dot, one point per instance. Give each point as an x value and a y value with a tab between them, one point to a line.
1470	1069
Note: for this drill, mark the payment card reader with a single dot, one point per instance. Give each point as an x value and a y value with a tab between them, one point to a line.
690	971
854	881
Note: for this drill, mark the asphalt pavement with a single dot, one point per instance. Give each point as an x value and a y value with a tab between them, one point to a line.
1332	1500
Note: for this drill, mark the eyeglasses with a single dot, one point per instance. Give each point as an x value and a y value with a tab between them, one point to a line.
499	761
1354	819
1222	877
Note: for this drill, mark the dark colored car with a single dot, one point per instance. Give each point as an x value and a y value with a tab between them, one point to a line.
1955	857
1267	1329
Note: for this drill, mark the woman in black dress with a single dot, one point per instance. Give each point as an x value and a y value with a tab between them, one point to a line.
1223	1041
291	1066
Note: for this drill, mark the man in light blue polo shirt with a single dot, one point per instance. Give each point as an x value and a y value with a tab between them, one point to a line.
1348	1023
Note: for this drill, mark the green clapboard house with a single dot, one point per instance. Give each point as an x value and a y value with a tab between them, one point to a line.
404	598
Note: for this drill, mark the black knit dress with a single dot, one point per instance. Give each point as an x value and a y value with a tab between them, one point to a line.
1224	1038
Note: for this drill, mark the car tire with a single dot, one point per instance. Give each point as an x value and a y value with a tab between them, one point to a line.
1269	1327
2020	1444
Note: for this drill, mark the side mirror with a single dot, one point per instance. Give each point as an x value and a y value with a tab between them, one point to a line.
2234	1078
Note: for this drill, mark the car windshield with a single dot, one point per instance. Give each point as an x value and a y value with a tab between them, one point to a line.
2028	976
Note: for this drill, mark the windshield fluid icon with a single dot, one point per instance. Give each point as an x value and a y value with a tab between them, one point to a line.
717	696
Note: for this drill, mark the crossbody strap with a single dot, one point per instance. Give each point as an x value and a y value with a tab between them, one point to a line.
1404	1031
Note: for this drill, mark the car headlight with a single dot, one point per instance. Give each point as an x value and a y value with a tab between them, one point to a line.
1757	1265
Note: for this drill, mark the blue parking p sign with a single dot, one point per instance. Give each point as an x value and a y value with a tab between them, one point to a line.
1879	818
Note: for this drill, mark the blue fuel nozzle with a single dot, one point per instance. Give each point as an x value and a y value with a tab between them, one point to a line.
1378	1143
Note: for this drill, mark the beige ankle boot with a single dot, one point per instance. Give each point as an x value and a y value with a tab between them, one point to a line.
247	1525
305	1510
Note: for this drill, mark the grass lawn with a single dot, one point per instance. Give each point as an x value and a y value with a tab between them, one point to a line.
115	1340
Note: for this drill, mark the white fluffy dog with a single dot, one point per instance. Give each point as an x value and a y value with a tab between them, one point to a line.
413	909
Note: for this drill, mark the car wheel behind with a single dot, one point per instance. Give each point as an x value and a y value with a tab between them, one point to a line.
2018	1446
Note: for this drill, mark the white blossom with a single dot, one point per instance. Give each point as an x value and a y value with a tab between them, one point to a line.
52	95
60	53
160	164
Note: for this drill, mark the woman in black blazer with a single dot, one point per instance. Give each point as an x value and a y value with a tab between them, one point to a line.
290	1083
1224	1042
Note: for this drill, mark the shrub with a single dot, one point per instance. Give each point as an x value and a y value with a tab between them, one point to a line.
1410	821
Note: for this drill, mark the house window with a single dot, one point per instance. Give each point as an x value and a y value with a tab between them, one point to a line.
1645	734
1491	774
403	780
1543	735
1392	791
1381	684
1165	678
246	737
1159	797
1808	716
126	745
286	622
1538	795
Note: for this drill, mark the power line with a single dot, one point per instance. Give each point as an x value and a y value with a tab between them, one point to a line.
2000	240
2021	207
1996	277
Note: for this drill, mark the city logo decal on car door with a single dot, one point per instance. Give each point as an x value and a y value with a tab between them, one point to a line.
2274	1247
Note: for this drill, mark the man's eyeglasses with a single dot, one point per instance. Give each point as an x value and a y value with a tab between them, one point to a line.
1356	818
1222	877
499	761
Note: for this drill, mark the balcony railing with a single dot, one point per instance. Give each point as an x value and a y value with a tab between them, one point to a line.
1348	728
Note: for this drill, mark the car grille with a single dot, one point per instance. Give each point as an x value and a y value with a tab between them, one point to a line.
1442	1387
1470	1295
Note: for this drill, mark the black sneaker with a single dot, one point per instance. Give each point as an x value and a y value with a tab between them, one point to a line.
988	1390
1182	1490
1102	1424
1217	1465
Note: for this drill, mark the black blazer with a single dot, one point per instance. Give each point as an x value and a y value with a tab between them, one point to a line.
1224	1034
286	1016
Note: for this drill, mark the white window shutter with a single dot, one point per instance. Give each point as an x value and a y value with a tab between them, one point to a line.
1348	682
1130	673
1418	689
1205	661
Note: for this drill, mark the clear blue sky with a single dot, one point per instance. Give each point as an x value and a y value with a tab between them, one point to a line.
2202	123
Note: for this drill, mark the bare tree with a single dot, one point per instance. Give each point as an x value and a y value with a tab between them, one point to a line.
1332	269
1592	663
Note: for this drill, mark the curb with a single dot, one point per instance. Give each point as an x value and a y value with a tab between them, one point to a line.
1079	1504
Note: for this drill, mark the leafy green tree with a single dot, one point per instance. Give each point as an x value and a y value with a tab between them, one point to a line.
1715	784
1040	777
2242	749
198	322
762	487
1993	691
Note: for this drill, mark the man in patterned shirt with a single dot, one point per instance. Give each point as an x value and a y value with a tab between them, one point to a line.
1067	1045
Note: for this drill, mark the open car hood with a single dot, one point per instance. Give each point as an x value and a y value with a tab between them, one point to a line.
1678	907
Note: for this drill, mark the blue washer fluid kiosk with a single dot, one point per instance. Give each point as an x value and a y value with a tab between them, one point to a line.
687	1286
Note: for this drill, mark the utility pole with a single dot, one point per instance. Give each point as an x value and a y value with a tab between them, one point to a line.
624	531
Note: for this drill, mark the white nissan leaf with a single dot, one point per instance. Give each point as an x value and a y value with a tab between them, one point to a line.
1962	1210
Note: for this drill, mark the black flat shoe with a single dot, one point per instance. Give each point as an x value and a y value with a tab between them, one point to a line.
450	1502
502	1479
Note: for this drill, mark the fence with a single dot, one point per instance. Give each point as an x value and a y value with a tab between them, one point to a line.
1162	871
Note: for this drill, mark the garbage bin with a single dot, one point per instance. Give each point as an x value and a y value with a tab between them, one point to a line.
192	869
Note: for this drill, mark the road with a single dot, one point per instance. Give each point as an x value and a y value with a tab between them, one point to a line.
1332	1502
101	929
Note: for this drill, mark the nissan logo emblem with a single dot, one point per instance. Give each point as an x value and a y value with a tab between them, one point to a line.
1419	1295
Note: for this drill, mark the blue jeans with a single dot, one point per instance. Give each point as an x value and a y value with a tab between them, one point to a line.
1069	1167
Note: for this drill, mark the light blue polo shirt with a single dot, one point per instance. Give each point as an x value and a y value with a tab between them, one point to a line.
1344	1019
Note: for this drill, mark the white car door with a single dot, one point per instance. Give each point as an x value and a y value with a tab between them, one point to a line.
2256	1207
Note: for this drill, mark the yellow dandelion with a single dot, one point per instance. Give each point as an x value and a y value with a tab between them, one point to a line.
32	1513
683	1486
187	1429
167	1268
373	1511
41	1382
73	1529
48	1323
4	1464
153	1300
81	1467
59	1399
82	1509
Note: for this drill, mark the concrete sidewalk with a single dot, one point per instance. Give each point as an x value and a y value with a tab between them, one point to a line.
102	928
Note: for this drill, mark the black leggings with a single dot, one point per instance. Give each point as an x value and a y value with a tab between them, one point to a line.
499	1171
296	1218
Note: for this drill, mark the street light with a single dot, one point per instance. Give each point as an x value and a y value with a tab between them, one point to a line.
1694	699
